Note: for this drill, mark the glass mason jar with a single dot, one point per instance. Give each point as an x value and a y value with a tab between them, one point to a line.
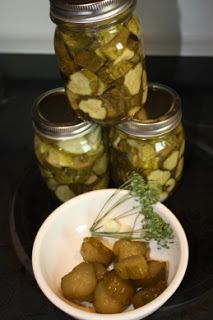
152	143
99	49
71	153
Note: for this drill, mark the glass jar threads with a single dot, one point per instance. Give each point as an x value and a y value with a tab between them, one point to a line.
71	153
152	143
100	55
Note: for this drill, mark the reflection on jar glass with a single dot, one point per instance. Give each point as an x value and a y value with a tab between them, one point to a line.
152	144
71	154
101	58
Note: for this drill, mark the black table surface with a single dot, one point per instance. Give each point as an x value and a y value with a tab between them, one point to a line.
25	202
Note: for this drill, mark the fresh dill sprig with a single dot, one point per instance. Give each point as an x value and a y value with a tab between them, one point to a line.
153	227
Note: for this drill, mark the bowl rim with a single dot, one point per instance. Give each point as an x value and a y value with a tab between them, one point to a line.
129	315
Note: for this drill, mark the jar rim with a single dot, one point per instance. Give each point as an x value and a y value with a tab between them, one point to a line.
164	121
46	117
88	11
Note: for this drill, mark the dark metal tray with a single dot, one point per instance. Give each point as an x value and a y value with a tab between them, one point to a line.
192	204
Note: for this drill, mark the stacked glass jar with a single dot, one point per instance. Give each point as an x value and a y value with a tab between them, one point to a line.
72	154
152	143
99	49
100	54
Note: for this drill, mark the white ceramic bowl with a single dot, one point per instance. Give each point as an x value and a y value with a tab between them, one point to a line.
56	251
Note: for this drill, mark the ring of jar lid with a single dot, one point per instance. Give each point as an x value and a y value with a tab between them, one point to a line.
161	113
53	118
86	11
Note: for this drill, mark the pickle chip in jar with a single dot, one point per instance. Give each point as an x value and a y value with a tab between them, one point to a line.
170	184
89	60
125	56
63	193
159	177
134	27
94	107
113	49
171	162
132	79
179	169
83	82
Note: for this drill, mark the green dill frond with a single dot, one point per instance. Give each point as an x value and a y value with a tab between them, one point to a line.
153	227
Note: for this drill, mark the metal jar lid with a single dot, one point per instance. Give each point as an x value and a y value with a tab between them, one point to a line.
53	118
88	11
161	113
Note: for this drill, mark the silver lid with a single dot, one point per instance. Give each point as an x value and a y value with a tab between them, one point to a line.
53	118
88	11
161	114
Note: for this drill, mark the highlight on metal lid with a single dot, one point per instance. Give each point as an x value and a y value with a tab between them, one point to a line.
85	11
161	113
53	118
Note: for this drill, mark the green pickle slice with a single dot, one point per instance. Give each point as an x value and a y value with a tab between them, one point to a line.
134	27
89	60
113	49
83	82
65	61
63	193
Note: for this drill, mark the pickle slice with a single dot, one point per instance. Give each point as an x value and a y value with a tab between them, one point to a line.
170	184
171	162
163	196
133	267
146	295
94	251
113	49
83	82
159	177
63	193
89	60
145	87
101	164
134	27
119	289
133	111
132	79
125	56
147	152
104	303
93	178
75	42
94	107
73	99
179	169
108	34
157	271
124	248
75	146
52	184
119	70
102	183
80	283
182	148
94	138
65	61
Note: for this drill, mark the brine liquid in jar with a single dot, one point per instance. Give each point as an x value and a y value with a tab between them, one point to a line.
99	49
71	153
151	144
